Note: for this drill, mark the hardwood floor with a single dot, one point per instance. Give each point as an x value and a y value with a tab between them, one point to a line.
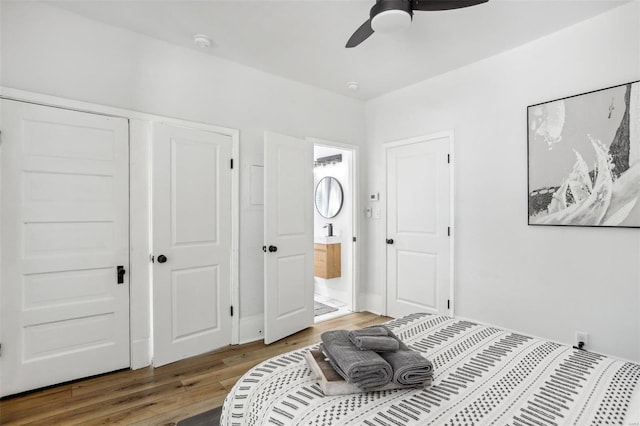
159	396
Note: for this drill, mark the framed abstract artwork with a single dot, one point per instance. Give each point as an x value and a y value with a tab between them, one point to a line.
584	159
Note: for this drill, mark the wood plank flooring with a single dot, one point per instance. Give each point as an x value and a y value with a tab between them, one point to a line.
159	396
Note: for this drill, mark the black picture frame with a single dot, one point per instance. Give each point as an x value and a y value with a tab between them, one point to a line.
583	159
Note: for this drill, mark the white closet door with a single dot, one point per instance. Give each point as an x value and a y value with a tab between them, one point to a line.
191	242
288	236
65	235
418	256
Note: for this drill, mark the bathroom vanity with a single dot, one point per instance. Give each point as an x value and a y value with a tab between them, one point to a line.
327	257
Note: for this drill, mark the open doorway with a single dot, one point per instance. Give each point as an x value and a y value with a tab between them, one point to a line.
334	231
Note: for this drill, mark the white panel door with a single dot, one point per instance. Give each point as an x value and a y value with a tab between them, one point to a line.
65	232
191	242
417	228
288	236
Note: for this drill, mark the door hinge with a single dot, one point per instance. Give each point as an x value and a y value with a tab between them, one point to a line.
354	239
0	349
232	163
448	304
152	258
232	310
448	158
448	231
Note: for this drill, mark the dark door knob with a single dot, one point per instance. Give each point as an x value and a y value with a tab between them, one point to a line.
273	249
121	271
389	240
162	258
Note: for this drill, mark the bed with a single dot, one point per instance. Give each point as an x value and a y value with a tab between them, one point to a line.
482	376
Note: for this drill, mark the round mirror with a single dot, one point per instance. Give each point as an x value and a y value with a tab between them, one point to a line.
328	197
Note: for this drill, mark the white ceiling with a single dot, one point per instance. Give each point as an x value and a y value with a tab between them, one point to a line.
304	39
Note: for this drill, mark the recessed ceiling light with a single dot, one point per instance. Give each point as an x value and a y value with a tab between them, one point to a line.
353	86
202	41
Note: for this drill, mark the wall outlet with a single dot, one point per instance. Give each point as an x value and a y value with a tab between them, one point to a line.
582	336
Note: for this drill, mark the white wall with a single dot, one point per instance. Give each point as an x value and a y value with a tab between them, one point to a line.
54	52
546	281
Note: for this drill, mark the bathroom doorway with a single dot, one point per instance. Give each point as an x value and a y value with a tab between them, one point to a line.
334	231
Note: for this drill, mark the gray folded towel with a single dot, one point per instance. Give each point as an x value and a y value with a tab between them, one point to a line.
374	338
374	330
410	368
365	369
375	343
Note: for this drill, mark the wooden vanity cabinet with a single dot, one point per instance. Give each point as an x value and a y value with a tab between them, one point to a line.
327	260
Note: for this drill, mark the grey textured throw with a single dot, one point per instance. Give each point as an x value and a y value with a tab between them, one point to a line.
374	338
366	369
410	368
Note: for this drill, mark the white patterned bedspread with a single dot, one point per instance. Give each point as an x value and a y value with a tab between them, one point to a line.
482	376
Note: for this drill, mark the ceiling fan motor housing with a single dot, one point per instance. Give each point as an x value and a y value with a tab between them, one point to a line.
391	15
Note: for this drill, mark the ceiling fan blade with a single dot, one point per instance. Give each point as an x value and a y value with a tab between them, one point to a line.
361	34
430	5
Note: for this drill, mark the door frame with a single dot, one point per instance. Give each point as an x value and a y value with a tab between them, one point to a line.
354	175
416	139
140	219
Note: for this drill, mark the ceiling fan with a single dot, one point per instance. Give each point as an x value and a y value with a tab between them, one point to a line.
393	15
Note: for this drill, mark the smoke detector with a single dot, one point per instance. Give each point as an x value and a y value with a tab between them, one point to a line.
202	41
353	86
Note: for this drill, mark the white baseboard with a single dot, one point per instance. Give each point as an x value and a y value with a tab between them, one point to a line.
373	303
251	328
140	354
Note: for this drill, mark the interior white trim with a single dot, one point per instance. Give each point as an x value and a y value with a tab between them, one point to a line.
357	304
235	237
452	194
140	238
141	353
432	136
140	193
252	328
